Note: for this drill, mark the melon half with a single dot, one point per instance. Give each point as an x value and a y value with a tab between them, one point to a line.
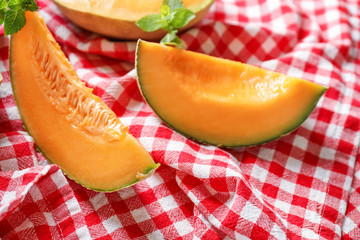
221	102
116	18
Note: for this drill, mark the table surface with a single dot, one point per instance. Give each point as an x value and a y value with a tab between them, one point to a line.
304	185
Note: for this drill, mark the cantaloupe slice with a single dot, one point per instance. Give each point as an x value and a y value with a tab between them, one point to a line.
116	18
221	102
72	127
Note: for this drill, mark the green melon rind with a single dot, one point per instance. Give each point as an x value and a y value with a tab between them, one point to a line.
147	171
203	5
290	129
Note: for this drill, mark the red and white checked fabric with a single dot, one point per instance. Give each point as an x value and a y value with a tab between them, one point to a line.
305	185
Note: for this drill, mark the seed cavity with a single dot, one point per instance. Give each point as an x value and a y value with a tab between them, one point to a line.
70	97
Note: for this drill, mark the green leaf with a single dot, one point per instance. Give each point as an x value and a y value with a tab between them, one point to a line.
29	5
165	10
180	17
173	15
14	21
174	4
2	16
151	23
172	39
3	4
14	4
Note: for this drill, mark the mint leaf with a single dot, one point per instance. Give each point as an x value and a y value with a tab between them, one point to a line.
14	4
3	4
173	15
29	5
180	17
165	10
2	16
14	21
151	23
12	14
172	39
174	4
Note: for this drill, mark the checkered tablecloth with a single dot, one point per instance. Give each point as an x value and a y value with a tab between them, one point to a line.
305	185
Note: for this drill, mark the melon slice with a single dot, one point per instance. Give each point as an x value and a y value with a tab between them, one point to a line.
116	18
71	126
221	102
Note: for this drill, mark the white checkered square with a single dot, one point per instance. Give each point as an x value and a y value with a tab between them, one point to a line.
175	146
5	90
105	69
309	234
322	174
236	46
13	113
115	89
277	232
155	180
155	235
294	165
111	224
73	205
168	203
279	25
301	142
327	153
49	219
9	164
287	186
283	206
254	11
183	227
127	193
259	173
98	201
134	105
349	225
312	216
59	179
83	233
208	45
63	32
266	153
334	131
107	46
201	171
250	212
269	44
140	214
220	28
317	195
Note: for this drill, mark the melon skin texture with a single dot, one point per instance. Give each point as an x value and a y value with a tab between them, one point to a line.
221	102
71	126
116	18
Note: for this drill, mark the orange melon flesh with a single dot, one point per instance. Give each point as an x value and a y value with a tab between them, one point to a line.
72	127
128	10
221	102
116	18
